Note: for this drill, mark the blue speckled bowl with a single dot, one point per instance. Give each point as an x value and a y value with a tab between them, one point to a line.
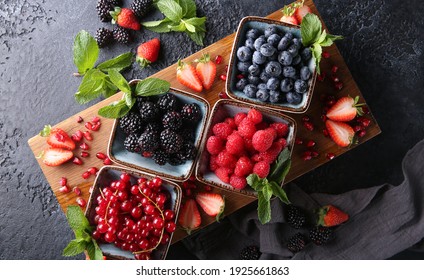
261	23
118	154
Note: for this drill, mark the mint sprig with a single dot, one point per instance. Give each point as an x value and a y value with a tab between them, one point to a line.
86	52
180	16
314	37
267	187
83	240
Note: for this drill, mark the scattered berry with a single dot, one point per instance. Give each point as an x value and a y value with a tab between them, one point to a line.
125	18
250	253
104	37
104	7
121	35
296	243
141	7
330	216
295	217
320	235
148	52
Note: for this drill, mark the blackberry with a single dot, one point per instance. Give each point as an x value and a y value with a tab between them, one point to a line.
296	243
320	235
149	111
170	141
141	7
141	100
295	217
175	160
121	35
188	134
104	37
187	151
172	120
131	143
153	127
191	112
103	8
116	2
130	123
160	157
250	253
148	141
167	102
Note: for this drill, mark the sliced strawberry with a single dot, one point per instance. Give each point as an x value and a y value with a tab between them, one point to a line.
148	52
330	216
345	109
56	156
206	70
212	203
341	133
58	138
187	76
301	12
189	217
289	20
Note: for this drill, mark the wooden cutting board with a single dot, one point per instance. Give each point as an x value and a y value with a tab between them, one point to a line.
233	201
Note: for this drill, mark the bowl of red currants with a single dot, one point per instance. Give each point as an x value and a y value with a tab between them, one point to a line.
133	213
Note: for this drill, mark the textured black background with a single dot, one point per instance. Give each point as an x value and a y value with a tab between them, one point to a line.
383	49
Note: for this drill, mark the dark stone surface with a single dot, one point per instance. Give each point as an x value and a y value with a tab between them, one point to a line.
383	49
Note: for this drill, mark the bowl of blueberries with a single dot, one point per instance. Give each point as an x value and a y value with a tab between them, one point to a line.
270	67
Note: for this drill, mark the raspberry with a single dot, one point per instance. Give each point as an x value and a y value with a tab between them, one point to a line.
239	117
272	153
223	173
262	140
214	145
212	163
257	158
282	142
225	159
281	128
273	132
231	123
248	146
222	130
262	126
246	128
254	116
261	169
235	144
243	167
238	182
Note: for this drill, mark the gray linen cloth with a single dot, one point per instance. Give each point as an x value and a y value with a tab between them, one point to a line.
384	220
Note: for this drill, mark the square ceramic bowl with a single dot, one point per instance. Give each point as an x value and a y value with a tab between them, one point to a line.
108	174
261	24
229	108
118	154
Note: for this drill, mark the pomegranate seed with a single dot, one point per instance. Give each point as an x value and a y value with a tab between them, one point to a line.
331	103
326	55
321	77
306	157
310	143
323	117
107	161
77	161
330	156
325	132
87	135
334	69
101	155
357	128
338	86
240	76
81	202
362	133
84	154
93	170
223	77
75	138
298	141
80	119
147	154
64	189
309	126
305	119
314	154
63	181
86	174
77	191
96	126
335	79
88	125
84	146
218	59
366	110
364	121
226	68
223	95
95	119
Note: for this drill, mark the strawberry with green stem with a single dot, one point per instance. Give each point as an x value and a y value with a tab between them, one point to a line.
126	18
330	216
345	109
148	52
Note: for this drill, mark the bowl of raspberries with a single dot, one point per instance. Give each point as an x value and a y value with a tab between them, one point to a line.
240	140
269	66
161	134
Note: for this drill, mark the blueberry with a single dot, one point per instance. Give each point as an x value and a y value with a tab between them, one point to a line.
293	50
296	60
250	90
273	57
274	39
269	30
264	76
244	53
289	36
285	58
243	66
305	74
253	33
249	43
262	86
258	58
273	69
293	98
241	84
286	85
262	95
259	42
300	86
306	54
254	70
273	84
253	80
283	44
289	72
297	42
275	96
267	50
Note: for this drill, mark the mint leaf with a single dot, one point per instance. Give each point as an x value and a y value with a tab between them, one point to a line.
254	181
279	165
264	209
283	171
152	86
129	100
46	131
279	192
197	37
93	251
267	191
118	80
159	26
199	23
91	87
170	9
109	88
86	52
178	27
115	110
75	247
316	54
189	26
117	63
335	37
188	8
76	218
310	29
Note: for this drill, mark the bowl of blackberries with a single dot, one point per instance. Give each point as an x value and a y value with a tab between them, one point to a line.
161	134
269	66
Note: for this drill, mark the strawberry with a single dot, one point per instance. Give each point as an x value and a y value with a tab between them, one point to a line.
206	70
301	12
125	18
187	76
289	12
189	217
341	133
345	109
58	138
148	52
212	203
289	20
56	156
330	216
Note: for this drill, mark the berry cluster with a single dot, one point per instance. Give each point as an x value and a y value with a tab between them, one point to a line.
162	129
273	66
243	145
134	217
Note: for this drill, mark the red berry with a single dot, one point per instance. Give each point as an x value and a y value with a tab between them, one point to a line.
281	128
223	173
81	202
214	145
247	128
80	119
357	128
298	141
157	182
168	215
238	182
254	116
334	69
364	121
64	189
222	130
77	161
362	133
170	227
84	146
326	54
240	76
309	126
310	143
93	170
63	181
101	155
218	59
239	117
84	154
87	135
235	144
306	156
335	79
223	77
225	159
262	140
261	169
96	126
306	118
243	167
77	191
107	161
314	154
330	156
86	174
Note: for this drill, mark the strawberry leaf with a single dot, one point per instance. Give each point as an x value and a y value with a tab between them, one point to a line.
46	131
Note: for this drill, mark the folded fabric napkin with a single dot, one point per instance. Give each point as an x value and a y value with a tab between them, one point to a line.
384	220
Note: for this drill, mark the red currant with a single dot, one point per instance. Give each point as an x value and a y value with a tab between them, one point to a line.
168	215
136	212
170	227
